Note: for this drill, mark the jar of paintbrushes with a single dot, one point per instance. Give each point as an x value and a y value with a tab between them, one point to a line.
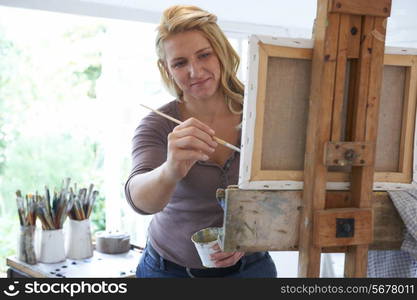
79	243
52	211
27	217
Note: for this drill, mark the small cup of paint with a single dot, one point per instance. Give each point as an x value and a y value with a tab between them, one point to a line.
204	240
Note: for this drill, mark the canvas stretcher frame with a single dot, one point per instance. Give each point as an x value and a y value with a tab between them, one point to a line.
263	51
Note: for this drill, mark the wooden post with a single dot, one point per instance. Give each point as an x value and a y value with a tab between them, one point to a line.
318	133
365	129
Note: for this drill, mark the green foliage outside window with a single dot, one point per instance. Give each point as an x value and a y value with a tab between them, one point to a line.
45	84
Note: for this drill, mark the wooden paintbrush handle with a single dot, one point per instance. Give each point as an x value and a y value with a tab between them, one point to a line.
218	140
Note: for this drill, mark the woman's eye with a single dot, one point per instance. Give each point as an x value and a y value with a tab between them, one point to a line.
178	64
204	55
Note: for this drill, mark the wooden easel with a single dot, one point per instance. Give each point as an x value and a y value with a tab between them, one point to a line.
334	43
316	221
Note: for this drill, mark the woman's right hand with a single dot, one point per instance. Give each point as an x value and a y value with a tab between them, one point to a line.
187	143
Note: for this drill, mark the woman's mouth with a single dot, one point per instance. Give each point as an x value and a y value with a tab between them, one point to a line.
200	82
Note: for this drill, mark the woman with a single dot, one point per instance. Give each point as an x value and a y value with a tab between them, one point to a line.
177	169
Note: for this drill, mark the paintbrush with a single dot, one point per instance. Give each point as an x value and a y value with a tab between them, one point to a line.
26	209
44	215
218	140
91	203
20	208
82	202
27	218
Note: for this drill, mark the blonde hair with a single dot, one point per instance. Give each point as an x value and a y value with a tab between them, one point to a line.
180	18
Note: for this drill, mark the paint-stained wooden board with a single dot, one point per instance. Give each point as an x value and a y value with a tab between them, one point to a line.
260	220
269	220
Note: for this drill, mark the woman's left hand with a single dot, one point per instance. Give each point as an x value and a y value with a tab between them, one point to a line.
225	259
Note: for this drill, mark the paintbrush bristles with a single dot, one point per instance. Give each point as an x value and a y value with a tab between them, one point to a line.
218	140
53	210
26	209
82	203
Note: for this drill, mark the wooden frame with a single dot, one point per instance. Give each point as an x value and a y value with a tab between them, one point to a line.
409	64
262	52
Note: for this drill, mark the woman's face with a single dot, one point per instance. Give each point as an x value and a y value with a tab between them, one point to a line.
193	64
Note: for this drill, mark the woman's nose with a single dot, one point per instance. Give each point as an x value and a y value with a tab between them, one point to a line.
195	69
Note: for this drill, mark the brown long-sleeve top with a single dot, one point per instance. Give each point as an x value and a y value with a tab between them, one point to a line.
193	205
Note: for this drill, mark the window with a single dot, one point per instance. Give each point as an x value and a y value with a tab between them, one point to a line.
70	89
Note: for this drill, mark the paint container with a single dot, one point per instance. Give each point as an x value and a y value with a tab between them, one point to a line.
204	240
26	245
112	242
79	244
51	247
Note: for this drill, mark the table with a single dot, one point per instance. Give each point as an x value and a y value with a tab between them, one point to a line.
100	265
